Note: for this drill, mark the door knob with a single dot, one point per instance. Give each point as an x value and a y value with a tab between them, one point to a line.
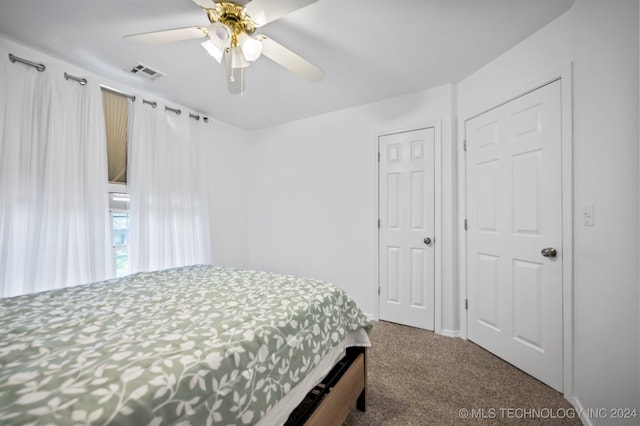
549	252
427	240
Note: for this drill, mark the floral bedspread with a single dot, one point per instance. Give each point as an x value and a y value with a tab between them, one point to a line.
195	345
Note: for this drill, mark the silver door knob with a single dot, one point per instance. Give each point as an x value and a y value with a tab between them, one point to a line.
427	240
549	252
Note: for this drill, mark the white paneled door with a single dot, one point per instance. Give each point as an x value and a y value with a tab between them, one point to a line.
514	236
406	238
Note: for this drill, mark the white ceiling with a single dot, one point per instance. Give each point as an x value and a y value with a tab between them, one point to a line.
369	49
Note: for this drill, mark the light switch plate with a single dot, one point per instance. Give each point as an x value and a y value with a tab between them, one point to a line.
589	218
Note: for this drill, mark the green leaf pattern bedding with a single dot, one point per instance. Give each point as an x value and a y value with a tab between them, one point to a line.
196	345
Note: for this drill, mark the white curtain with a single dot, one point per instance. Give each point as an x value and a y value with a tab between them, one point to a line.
166	180
53	181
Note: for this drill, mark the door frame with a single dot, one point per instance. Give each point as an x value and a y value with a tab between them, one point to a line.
565	76
436	125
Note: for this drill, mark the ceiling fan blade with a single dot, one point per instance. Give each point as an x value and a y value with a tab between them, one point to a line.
291	61
167	36
264	11
205	4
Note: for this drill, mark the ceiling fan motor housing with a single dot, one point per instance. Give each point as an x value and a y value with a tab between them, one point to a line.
233	16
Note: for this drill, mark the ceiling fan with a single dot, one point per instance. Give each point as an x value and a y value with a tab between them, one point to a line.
230	37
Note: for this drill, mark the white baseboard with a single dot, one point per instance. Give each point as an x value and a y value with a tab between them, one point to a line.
450	333
586	420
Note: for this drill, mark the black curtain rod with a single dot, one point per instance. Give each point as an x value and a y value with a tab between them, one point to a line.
155	104
176	110
117	92
39	67
82	81
197	117
166	108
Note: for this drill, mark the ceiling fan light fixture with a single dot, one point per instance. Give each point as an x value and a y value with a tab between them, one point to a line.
220	34
213	50
251	48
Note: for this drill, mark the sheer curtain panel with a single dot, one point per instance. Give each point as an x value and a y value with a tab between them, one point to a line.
53	181
166	179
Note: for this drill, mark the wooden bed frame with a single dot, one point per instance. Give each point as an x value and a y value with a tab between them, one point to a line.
331	401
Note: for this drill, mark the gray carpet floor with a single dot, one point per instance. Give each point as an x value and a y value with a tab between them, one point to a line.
416	377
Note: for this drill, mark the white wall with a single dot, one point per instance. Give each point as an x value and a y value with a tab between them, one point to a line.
601	38
228	186
312	194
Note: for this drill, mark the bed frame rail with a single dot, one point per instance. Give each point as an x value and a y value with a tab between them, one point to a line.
330	402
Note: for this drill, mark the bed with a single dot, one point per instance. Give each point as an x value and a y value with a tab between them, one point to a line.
197	345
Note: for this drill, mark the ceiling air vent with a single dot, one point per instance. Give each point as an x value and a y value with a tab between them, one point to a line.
146	72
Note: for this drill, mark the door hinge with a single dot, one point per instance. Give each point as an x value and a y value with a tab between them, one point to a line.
378	223
464	145
466	304
466	226
378	290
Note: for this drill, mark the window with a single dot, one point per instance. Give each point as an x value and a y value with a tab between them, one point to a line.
119	215
116	112
116	117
